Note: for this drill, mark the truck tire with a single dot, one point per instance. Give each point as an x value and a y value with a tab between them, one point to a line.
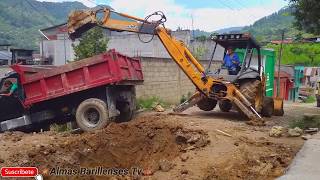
92	114
207	104
225	106
267	107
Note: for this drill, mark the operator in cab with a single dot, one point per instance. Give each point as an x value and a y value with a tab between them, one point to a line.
10	88
232	62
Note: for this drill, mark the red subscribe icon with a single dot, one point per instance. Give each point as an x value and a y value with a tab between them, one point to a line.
19	171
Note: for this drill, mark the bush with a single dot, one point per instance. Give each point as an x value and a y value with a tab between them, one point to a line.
150	102
310	99
185	97
306	122
60	127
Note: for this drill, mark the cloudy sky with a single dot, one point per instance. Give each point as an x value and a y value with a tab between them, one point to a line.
208	15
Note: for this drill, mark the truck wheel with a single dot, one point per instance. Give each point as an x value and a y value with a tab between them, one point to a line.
92	114
207	104
225	106
267	107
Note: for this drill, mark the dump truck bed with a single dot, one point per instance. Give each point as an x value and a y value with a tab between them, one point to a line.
41	84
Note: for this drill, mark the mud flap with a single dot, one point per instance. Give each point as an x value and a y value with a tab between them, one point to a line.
111	103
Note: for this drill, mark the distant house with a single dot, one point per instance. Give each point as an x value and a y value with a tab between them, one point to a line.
313	39
5	57
285	41
22	56
311	76
286	85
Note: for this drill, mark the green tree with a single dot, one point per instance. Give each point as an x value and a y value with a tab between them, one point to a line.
93	42
307	13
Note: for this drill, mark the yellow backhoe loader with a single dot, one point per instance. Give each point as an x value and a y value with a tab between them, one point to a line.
246	94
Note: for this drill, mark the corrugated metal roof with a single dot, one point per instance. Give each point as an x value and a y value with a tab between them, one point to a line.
5	55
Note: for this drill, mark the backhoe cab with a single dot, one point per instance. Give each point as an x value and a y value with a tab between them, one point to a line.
250	79
249	68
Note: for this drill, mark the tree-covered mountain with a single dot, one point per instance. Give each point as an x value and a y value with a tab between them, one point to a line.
269	28
20	20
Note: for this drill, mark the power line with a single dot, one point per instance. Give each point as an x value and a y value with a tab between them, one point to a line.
93	2
235	10
245	6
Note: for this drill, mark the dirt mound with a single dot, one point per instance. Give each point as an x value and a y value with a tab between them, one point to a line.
248	162
141	143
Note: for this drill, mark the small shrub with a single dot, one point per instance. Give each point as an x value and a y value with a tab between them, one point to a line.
185	97
310	99
306	122
149	103
60	127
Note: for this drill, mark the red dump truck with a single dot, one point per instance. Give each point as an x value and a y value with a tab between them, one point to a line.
92	91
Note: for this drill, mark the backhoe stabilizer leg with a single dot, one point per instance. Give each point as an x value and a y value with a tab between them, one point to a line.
194	99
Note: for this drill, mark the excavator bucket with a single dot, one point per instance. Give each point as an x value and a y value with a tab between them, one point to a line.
278	106
79	22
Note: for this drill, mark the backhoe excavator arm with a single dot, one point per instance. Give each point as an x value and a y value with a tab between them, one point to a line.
83	20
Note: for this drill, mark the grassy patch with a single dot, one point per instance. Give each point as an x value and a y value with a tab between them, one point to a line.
150	102
306	122
310	99
60	127
185	97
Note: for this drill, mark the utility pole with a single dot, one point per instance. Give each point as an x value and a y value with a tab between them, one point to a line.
279	60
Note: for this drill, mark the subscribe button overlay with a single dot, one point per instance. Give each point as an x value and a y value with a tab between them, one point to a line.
19	171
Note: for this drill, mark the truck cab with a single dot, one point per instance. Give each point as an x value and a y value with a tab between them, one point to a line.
11	106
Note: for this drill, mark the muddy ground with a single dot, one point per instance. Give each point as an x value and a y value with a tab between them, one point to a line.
193	145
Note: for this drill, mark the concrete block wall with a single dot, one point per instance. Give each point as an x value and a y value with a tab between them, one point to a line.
164	79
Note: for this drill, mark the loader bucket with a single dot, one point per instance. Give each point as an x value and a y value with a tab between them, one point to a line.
278	106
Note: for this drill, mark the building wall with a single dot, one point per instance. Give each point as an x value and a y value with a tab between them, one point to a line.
60	50
164	79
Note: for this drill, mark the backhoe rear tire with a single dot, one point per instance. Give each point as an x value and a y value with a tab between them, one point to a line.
92	114
207	104
225	106
267	107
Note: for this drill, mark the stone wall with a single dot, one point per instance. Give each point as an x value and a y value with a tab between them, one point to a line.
164	79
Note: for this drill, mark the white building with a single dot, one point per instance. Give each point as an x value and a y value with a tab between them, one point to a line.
56	47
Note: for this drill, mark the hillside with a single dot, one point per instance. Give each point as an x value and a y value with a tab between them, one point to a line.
269	27
21	20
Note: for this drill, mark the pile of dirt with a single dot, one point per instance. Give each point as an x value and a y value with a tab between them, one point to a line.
145	143
253	159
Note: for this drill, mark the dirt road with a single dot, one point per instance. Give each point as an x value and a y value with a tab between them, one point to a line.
193	145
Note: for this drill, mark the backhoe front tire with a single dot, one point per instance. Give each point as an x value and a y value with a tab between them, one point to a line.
207	104
225	106
92	114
